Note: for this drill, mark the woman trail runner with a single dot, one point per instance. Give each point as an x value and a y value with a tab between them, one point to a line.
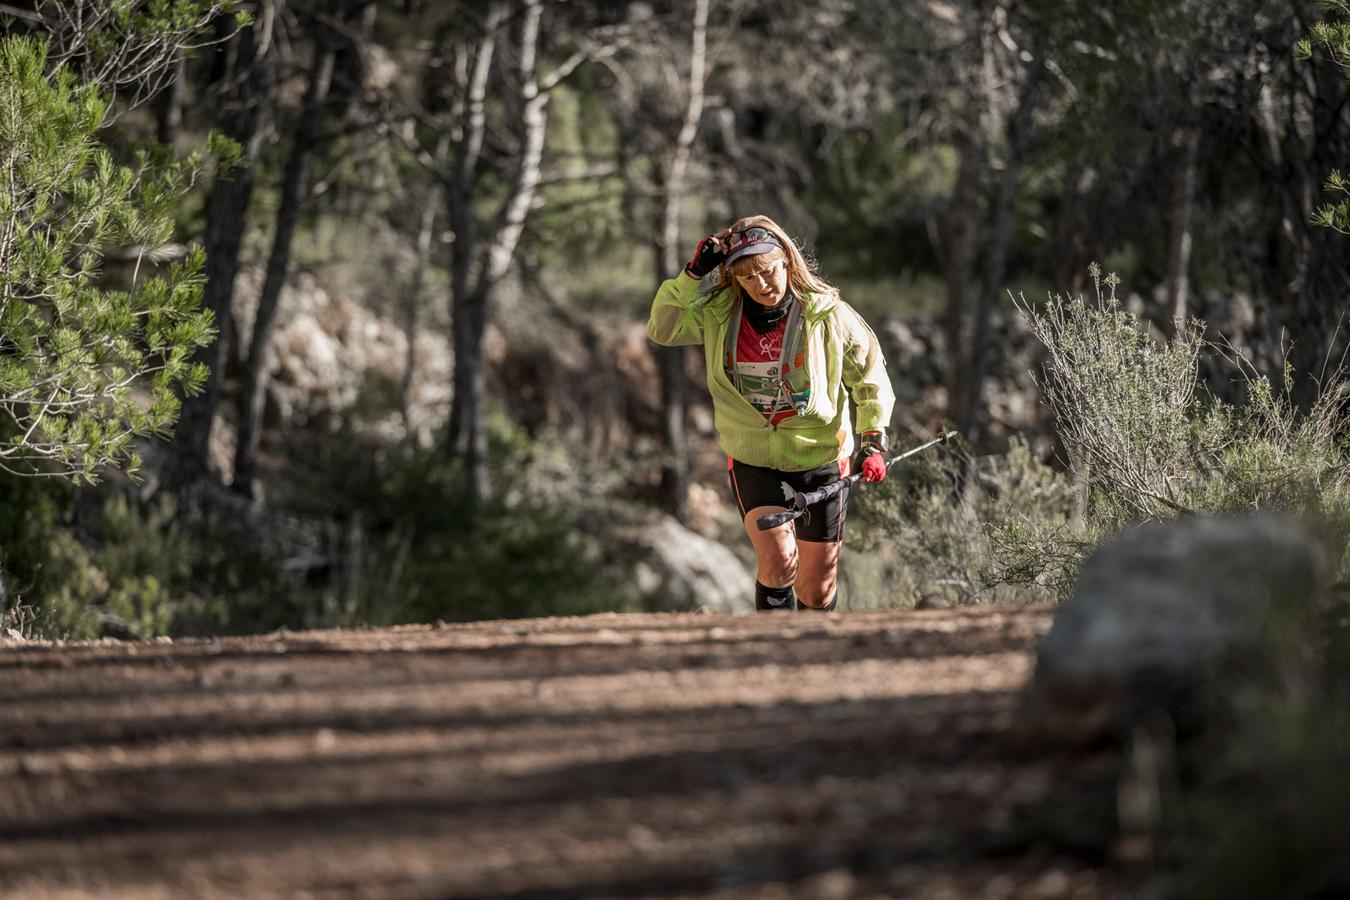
784	357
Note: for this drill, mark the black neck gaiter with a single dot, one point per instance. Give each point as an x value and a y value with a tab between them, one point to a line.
765	318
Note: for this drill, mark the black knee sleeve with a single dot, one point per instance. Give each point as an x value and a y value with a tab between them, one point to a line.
769	599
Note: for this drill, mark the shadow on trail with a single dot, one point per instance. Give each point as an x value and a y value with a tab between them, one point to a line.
727	754
624	630
402	769
392	666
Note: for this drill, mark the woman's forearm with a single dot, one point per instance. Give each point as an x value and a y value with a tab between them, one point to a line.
675	318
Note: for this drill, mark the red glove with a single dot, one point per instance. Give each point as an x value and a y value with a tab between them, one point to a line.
873	467
872	453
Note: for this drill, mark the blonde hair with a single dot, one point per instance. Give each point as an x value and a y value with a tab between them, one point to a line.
801	270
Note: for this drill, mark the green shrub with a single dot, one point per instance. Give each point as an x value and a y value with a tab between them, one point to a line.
920	539
143	604
1124	403
513	563
84	369
393	538
129	569
48	576
156	570
1150	442
430	554
1144	440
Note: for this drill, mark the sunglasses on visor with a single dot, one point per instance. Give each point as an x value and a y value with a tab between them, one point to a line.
747	237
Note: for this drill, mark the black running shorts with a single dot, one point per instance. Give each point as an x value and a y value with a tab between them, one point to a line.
754	486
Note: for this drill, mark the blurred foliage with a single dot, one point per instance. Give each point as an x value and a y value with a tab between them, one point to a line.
108	566
402	543
1331	38
848	127
432	554
1009	536
1262	805
877	297
50	579
580	214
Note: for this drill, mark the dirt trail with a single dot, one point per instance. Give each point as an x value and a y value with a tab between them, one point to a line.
857	755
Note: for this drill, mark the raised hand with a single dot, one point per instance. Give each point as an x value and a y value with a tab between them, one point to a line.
707	256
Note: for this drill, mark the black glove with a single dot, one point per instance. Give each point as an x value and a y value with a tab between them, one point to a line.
707	256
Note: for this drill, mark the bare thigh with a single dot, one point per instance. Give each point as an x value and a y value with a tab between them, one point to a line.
817	571
775	549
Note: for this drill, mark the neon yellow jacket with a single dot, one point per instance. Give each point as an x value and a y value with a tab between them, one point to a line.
843	360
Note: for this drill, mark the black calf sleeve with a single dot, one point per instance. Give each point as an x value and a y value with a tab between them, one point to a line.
828	607
769	599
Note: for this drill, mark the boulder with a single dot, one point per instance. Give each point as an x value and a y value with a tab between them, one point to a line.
1165	612
675	569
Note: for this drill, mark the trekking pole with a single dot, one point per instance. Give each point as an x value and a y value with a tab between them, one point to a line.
800	501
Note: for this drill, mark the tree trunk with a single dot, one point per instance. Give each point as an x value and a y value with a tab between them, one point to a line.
467	313
486	268
971	423
674	385
1177	299
169	103
670	360
964	216
1068	253
413	309
960	263
294	187
468	422
245	90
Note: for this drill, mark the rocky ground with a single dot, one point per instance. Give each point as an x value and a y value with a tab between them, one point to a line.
673	755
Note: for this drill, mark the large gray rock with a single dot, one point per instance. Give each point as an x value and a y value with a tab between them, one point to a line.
675	569
1165	608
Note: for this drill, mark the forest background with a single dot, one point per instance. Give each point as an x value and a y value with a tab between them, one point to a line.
427	236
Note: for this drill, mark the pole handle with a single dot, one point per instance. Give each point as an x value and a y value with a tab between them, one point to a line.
773	520
801	501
